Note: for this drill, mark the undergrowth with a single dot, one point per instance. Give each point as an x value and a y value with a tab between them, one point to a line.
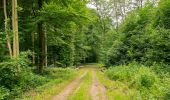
149	84
18	77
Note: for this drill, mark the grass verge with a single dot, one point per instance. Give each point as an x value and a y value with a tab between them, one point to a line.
59	79
143	80
114	89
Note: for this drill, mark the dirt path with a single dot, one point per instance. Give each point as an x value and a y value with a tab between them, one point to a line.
63	95
98	91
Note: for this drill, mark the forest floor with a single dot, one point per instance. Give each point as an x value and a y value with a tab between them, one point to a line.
89	84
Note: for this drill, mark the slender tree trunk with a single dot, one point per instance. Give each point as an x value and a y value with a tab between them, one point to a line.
15	29
141	3
42	50
45	37
6	30
33	48
46	56
116	14
41	47
124	10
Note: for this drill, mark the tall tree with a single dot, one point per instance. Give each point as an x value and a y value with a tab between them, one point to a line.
15	29
42	41
1	4
6	30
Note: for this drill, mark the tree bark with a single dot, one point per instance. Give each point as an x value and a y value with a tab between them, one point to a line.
33	48
141	3
6	30
42	49
15	29
1	4
46	49
116	14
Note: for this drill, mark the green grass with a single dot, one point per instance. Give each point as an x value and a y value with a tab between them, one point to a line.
115	90
59	78
131	82
82	91
143	81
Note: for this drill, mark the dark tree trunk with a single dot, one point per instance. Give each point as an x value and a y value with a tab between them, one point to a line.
33	48
41	42
1	4
41	47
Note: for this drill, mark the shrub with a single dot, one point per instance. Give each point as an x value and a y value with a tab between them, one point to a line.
148	83
16	77
11	71
62	73
145	78
31	80
3	93
123	72
143	36
167	95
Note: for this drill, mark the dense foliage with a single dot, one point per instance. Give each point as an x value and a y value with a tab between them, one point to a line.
66	33
143	37
147	83
17	76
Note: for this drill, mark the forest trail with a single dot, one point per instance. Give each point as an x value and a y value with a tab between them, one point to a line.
63	95
95	90
98	91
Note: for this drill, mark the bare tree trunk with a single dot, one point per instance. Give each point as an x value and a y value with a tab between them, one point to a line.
141	3
15	29
124	10
46	56
42	51
33	48
6	30
116	14
41	47
1	4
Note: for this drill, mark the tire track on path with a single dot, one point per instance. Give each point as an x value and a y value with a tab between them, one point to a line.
63	95
98	91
